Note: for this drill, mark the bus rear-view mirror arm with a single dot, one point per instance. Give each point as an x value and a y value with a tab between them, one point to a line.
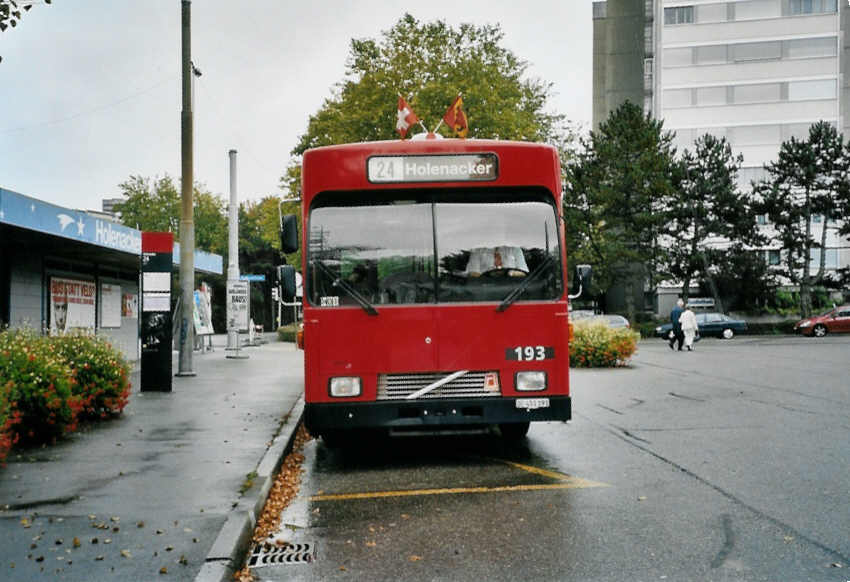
584	273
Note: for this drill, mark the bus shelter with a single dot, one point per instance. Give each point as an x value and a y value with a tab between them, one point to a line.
63	269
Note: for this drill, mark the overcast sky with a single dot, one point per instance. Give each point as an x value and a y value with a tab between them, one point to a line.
90	90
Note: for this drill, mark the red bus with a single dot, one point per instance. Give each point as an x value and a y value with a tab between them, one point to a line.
435	292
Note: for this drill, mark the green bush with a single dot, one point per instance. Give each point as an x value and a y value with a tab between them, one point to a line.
100	374
36	400
286	333
596	345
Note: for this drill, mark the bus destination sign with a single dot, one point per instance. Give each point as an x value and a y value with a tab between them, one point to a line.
479	167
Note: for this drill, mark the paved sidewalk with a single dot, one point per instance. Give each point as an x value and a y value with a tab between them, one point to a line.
160	486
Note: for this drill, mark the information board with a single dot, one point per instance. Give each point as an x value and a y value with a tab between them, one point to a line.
237	306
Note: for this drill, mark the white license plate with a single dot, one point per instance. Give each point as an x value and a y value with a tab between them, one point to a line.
532	403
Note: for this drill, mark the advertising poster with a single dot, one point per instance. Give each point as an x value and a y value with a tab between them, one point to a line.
110	305
237	306
203	312
72	305
130	305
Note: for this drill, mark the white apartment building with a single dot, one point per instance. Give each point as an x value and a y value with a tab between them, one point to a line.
756	72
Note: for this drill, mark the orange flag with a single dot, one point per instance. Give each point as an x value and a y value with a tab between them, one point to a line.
456	118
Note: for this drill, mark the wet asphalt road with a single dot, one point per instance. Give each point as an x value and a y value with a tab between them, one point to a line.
728	463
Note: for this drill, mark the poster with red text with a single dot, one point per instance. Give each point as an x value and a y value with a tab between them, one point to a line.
72	305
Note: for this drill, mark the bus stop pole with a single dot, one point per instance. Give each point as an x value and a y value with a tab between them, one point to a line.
232	249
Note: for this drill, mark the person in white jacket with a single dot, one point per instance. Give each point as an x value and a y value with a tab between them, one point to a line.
689	325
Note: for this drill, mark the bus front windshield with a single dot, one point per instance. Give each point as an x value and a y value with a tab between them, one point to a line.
438	249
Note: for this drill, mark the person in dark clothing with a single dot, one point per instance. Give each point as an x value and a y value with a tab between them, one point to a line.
678	334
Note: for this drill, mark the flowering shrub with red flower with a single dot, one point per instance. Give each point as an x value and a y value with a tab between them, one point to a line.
48	383
596	345
100	374
36	402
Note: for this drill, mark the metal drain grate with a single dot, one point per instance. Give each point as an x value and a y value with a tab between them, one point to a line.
274	555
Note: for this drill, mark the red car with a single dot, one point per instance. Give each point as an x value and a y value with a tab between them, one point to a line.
835	320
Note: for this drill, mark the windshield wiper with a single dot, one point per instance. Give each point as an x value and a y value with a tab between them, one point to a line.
513	295
345	286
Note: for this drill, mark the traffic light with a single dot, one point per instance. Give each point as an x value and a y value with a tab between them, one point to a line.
274	294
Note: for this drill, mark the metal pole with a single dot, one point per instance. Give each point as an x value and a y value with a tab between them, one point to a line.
233	248
187	224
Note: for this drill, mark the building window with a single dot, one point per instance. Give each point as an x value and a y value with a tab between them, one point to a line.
677	98
806	48
711	96
805	90
830	261
677	57
679	15
812	6
817	218
761	219
795	130
600	10
744	180
773	257
711	55
755	9
755	135
718	132
756	51
757	93
711	12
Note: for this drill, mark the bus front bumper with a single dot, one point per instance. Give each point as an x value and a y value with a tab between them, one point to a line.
436	413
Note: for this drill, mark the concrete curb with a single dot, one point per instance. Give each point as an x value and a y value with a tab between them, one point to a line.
234	537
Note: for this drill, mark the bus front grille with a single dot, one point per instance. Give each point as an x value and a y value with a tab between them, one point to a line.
469	385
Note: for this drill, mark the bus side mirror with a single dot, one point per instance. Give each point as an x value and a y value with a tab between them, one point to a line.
286	280
288	234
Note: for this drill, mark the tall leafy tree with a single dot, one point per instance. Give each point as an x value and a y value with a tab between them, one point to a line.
155	205
706	206
429	63
150	204
10	13
808	179
617	188
259	251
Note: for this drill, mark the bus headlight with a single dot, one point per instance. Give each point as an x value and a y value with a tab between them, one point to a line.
344	386
530	381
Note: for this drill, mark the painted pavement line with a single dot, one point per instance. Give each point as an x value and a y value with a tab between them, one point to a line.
564	482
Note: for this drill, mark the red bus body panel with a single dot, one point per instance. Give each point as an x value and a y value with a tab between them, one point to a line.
347	341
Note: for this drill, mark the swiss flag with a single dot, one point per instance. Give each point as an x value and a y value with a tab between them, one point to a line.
406	117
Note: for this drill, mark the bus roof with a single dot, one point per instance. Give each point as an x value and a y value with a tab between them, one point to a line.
344	167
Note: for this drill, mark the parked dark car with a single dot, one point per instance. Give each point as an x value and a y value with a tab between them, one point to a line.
711	323
835	320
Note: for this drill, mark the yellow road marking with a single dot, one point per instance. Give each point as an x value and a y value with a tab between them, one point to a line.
568	483
536	470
